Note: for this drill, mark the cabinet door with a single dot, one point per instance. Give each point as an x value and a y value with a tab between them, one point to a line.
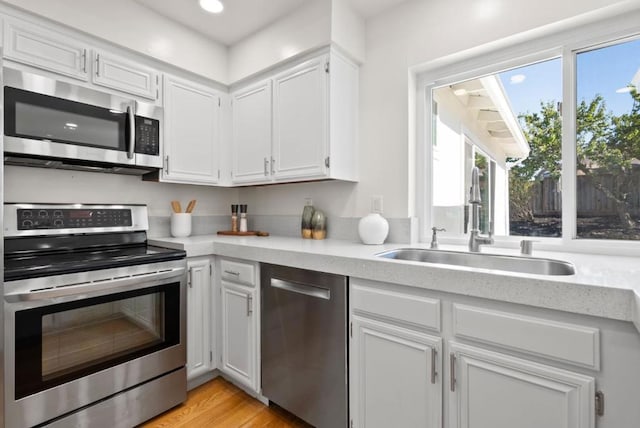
300	120
190	132
499	391
395	377
199	350
252	134
118	73
239	333
44	48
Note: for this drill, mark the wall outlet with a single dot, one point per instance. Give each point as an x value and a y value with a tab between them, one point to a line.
376	204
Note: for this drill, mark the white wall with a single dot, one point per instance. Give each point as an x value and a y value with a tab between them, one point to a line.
348	30
129	24
308	27
23	184
410	34
413	33
397	40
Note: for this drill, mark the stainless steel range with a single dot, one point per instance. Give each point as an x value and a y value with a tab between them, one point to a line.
95	318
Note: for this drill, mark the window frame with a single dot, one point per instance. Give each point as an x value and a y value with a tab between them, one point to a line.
564	42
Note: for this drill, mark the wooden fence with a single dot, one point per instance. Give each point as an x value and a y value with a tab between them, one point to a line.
591	202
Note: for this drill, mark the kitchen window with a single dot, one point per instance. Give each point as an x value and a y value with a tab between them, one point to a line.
555	134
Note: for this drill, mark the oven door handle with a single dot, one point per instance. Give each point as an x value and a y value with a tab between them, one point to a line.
89	288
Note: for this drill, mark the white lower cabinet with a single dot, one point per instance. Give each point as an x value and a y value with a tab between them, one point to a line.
402	375
239	314
199	319
394	376
491	389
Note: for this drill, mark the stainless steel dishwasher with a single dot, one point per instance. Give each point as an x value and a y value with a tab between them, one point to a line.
304	343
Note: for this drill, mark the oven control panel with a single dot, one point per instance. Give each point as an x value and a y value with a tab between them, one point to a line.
72	218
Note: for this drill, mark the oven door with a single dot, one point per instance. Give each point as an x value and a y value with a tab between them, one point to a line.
71	345
47	118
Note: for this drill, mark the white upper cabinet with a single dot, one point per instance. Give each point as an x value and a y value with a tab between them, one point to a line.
118	73
46	49
191	132
300	119
63	54
252	133
299	124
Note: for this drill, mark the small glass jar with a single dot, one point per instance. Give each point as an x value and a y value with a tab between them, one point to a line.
318	225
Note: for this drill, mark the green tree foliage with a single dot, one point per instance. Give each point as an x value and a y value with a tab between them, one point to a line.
606	148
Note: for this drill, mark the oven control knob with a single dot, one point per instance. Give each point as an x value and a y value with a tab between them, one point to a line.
27	214
27	223
43	213
57	213
58	223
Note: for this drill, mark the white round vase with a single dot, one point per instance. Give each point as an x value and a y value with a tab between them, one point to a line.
373	229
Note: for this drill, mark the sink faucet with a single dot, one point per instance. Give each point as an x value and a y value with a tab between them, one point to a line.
475	239
434	237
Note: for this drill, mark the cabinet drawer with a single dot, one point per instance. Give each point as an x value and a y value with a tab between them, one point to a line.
243	273
392	305
567	343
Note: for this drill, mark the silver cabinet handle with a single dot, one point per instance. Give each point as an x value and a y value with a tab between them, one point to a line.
189	277
166	168
434	352
452	372
84	60
232	272
266	166
132	130
249	305
273	165
297	287
98	65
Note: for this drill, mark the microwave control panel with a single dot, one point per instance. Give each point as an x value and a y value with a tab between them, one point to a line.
147	136
66	218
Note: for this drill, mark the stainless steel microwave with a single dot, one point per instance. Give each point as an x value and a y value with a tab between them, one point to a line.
52	123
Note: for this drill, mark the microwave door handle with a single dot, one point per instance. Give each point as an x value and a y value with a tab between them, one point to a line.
132	131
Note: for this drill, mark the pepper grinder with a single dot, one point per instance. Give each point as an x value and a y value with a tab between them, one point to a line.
234	217
243	218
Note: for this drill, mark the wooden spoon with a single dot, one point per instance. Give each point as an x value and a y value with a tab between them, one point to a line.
176	207
191	206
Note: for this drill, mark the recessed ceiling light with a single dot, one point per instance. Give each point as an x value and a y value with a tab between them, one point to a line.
212	6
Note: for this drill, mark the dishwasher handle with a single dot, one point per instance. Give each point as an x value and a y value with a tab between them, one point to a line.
300	288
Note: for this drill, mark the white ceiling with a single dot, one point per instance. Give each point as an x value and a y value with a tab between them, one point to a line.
244	17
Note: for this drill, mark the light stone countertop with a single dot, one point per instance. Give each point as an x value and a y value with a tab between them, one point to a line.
603	286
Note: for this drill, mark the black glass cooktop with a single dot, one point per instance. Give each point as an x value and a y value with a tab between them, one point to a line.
38	256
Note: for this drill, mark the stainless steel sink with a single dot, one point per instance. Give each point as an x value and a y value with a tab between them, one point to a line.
485	261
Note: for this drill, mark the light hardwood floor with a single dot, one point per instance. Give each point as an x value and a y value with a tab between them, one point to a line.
218	403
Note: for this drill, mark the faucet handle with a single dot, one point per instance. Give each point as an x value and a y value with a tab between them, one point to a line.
434	237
